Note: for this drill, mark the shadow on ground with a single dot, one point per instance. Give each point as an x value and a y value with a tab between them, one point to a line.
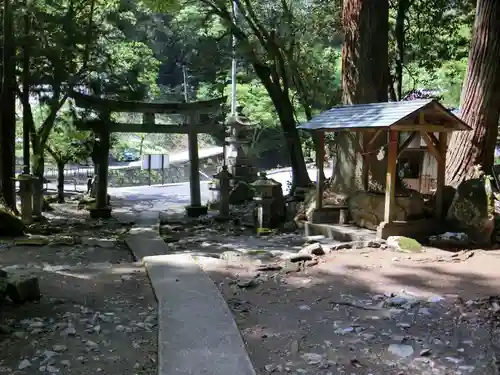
360	311
97	313
325	321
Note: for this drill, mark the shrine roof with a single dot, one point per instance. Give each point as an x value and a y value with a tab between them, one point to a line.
413	115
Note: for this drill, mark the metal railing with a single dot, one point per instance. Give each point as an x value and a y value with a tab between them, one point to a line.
130	175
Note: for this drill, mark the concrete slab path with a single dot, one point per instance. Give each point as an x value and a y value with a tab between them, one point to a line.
197	334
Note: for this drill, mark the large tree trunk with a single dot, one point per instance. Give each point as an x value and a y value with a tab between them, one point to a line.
60	182
480	101
8	118
285	110
365	79
300	176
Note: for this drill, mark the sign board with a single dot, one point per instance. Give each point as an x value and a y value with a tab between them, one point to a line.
155	161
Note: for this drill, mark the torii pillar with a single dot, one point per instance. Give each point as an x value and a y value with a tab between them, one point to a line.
195	209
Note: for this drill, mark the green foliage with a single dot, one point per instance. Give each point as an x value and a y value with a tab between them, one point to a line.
135	50
447	79
293	40
79	45
68	144
436	42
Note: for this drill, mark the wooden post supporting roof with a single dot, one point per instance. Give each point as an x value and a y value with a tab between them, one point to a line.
441	167
320	167
390	182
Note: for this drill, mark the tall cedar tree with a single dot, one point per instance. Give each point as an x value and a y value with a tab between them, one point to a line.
364	80
480	101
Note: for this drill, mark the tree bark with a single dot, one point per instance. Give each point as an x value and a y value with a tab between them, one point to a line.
314	136
300	177
8	114
403	7
285	110
480	101
365	79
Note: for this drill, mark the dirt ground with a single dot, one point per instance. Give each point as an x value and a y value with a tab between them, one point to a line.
353	312
358	311
342	317
97	313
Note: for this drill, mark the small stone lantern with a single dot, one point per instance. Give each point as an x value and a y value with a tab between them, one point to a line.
224	179
270	203
214	187
26	186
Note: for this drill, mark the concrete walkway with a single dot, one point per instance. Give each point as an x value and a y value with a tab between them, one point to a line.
197	333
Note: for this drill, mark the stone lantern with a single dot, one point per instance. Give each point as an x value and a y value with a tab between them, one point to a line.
224	179
238	156
26	186
270	211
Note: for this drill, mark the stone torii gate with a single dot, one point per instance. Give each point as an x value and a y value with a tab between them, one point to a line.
194	118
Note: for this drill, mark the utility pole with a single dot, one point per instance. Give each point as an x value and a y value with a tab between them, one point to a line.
233	63
185	83
26	92
227	152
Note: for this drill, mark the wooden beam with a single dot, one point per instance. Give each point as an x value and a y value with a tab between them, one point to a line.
406	143
426	135
100	104
457	123
434	140
390	180
320	165
374	137
432	147
440	181
351	130
422	128
114	127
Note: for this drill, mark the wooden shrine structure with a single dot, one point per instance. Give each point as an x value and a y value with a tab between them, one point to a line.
187	118
427	119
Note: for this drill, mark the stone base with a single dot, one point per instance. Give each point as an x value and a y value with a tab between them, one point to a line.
366	209
196	211
417	229
100	213
337	232
329	215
